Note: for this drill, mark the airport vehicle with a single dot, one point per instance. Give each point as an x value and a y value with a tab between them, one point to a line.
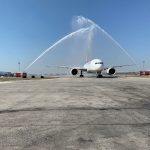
93	66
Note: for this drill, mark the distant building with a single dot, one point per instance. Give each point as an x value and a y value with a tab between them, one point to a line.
6	74
147	72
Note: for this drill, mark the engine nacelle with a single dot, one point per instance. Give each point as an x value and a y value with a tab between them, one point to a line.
74	72
111	71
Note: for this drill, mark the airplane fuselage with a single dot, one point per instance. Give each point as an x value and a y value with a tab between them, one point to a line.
94	66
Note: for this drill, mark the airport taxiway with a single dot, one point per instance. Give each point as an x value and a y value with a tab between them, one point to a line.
75	114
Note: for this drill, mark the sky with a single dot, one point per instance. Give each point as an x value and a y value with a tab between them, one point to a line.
28	27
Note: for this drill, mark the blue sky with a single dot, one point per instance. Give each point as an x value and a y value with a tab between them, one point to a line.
27	27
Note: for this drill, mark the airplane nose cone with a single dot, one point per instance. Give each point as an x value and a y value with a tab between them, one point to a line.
99	67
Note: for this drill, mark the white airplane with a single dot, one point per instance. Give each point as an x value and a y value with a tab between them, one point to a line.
93	66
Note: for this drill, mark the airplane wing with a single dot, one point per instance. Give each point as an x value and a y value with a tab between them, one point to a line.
119	66
67	67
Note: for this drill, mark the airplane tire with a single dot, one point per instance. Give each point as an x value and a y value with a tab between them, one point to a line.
81	76
99	76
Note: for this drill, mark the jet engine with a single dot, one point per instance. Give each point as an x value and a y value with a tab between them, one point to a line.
74	72
111	71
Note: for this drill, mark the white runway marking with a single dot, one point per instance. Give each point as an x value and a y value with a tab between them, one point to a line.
5	82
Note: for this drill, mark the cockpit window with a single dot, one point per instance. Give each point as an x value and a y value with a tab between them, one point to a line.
99	63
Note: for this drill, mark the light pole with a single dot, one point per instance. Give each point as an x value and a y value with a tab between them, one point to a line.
19	65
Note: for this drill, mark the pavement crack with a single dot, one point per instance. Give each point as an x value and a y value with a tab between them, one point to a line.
70	109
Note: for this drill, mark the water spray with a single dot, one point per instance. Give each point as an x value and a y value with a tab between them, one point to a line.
84	25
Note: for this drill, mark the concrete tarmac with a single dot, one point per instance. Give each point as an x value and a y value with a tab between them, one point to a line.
75	114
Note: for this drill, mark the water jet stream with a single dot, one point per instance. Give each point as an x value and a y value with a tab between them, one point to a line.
81	20
57	43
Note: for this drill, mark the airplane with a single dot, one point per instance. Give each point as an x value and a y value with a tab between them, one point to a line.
93	66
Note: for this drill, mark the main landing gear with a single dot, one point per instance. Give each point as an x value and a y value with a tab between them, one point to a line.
81	75
99	76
